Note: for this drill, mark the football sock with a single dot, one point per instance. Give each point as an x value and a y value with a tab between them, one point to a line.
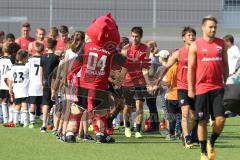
15	117
10	114
203	146
21	116
32	117
5	113
45	120
25	117
187	138
110	120
138	127
127	124
1	116
213	138
121	123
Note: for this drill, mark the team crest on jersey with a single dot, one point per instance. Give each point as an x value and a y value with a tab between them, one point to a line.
200	114
219	49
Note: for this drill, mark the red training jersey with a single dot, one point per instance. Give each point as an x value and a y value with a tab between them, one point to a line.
24	42
182	69
135	78
209	69
96	67
61	45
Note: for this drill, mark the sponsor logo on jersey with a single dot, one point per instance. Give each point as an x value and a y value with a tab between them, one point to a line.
200	114
205	59
204	50
182	101
219	50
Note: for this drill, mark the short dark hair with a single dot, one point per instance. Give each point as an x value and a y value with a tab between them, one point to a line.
14	48
80	33
229	37
63	29
51	43
188	29
10	36
21	55
209	18
26	24
39	47
137	30
124	40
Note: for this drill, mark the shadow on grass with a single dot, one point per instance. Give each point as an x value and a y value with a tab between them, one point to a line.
148	142
227	146
232	125
231	137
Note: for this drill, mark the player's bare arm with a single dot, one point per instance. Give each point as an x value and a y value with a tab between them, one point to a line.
9	84
164	83
17	40
30	47
192	59
41	74
146	71
121	77
172	60
225	64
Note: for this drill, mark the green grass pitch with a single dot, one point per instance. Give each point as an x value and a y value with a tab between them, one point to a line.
30	144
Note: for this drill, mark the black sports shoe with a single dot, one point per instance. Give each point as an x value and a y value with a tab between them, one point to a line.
183	140
70	137
43	129
62	138
100	138
109	139
87	137
54	132
187	143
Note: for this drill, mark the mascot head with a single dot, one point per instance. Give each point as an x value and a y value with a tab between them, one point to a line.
103	32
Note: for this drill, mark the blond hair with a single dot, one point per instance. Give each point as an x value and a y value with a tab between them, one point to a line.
209	18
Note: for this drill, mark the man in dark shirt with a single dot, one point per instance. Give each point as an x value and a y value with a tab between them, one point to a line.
49	62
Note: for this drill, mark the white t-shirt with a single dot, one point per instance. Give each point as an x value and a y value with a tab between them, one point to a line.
35	83
5	67
70	56
233	56
20	80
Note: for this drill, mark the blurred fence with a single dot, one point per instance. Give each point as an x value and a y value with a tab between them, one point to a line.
161	19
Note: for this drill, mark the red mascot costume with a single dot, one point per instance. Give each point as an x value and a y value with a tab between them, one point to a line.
95	63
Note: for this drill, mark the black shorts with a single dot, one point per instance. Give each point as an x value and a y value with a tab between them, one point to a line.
18	101
4	94
173	106
118	93
95	99
131	94
46	98
35	99
184	99
210	103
